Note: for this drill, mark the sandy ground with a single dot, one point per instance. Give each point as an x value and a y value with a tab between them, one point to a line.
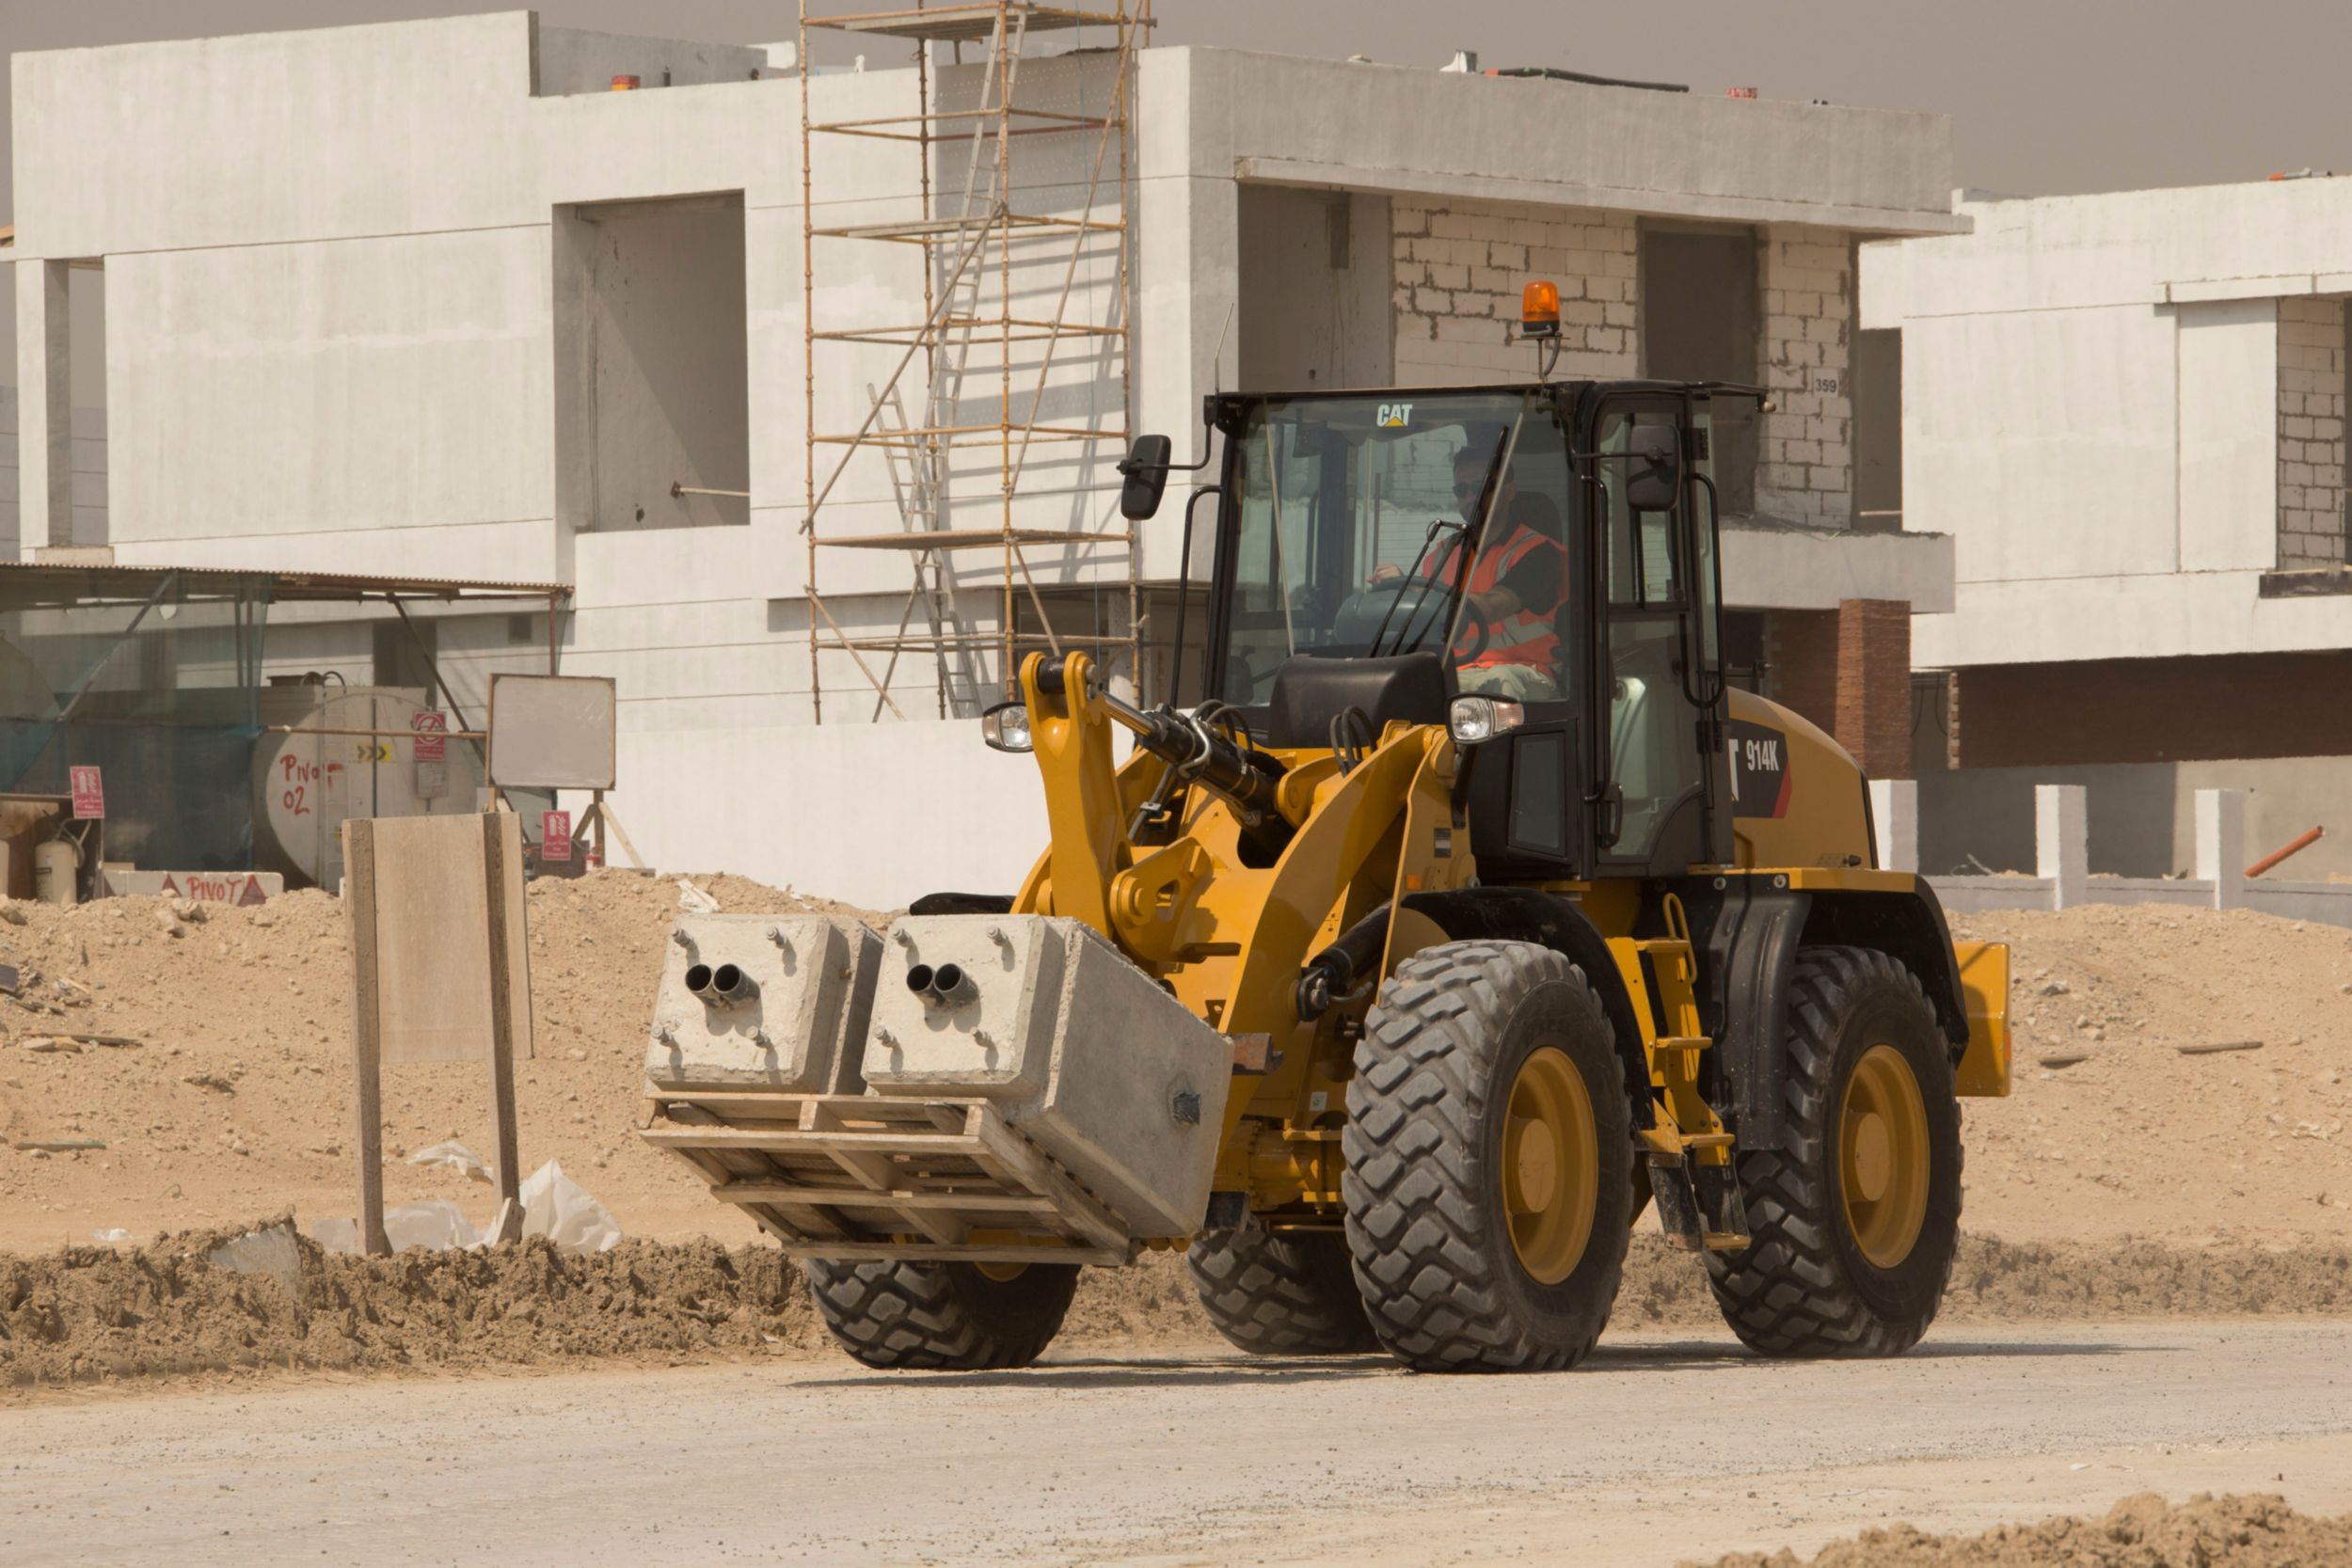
1664	1448
236	1102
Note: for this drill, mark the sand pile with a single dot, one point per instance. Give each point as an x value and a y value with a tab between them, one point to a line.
235	1101
236	1098
88	1313
2139	1139
2142	1531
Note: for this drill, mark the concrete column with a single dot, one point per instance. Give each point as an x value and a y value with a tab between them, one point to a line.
2221	845
1874	685
44	381
1894	813
2062	842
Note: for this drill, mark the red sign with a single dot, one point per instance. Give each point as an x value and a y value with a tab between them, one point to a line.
204	889
555	838
430	744
89	794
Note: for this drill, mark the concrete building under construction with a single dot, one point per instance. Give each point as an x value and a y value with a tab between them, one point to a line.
431	299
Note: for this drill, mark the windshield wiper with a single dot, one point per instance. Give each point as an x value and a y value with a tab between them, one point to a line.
1466	548
1436	527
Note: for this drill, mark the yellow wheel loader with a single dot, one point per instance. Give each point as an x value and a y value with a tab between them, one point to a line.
1467	913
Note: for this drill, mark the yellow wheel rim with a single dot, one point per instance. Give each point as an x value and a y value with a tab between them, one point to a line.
1883	1166
1002	1273
1550	1166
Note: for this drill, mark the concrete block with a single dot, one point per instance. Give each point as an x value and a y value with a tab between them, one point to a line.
2221	845
1081	1051
1895	816
777	1001
2062	837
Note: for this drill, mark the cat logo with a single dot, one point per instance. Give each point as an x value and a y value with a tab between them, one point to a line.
1395	416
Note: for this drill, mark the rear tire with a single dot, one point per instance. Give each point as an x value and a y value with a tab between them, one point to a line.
1854	1225
942	1317
1288	1294
1489	1162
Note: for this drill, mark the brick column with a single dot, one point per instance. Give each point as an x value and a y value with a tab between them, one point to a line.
1801	656
1874	685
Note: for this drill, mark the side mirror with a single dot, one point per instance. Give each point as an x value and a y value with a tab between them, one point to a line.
1145	470
1653	481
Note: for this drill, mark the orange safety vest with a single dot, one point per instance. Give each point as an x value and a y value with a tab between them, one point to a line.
1528	636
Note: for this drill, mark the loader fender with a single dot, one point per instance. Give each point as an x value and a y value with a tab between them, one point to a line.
1751	932
1530	914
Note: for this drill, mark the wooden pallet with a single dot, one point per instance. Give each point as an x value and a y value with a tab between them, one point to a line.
868	1177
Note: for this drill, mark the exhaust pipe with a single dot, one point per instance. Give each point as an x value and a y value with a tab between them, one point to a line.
727	985
947	986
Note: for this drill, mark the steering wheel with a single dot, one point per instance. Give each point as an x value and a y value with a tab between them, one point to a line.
1480	633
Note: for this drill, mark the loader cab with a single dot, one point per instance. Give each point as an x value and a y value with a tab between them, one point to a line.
1550	549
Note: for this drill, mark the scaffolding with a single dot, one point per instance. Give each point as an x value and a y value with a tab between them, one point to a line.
976	242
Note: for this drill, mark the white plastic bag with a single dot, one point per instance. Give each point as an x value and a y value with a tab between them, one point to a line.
334	1235
270	1250
437	1224
693	900
560	1209
456	1156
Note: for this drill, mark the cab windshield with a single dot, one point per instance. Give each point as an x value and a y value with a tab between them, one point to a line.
1390	523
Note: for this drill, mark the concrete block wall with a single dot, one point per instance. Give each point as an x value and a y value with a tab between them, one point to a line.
2311	432
1804	470
1460	266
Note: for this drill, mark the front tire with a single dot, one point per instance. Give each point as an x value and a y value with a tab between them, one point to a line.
942	1317
1489	1162
1855	1220
1291	1294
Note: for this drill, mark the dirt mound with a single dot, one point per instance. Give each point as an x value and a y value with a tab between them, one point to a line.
86	1313
2141	1531
94	1313
2139	1139
1999	1281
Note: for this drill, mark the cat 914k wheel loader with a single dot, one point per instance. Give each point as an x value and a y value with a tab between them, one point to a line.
1468	912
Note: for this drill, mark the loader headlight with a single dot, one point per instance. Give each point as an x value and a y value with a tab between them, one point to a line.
1472	720
1006	727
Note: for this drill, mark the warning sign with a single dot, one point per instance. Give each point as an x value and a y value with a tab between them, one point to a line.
432	743
89	794
555	838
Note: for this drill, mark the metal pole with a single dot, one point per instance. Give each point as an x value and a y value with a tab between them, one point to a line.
808	390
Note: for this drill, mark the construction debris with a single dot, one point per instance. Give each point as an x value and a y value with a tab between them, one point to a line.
2141	1531
2218	1048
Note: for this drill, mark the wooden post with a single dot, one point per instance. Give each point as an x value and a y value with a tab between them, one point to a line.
509	1225
367	1020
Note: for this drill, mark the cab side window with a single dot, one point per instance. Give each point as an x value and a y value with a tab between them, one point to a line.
1653	749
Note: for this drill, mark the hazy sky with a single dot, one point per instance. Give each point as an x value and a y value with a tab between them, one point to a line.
2045	95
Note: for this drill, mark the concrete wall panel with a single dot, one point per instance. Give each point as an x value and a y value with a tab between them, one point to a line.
359	389
275	137
876	815
2055	459
2229	435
